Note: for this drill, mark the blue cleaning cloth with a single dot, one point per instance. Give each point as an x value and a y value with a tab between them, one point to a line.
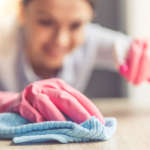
13	126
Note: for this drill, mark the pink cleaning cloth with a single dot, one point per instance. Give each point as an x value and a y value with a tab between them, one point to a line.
50	99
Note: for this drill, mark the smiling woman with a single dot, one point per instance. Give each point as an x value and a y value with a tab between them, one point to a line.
51	32
55	38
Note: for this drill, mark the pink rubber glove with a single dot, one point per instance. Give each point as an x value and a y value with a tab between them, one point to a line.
137	66
9	102
82	99
50	99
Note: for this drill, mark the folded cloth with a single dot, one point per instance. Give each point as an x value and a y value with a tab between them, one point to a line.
20	130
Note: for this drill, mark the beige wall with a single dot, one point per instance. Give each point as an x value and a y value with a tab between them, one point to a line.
8	13
8	7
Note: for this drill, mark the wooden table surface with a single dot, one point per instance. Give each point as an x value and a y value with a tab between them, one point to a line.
133	131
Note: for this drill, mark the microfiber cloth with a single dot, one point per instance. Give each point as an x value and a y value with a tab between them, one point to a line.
15	127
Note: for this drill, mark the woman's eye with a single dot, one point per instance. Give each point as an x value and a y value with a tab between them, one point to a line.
75	26
46	22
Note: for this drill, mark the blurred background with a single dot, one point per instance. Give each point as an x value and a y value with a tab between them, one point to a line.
130	17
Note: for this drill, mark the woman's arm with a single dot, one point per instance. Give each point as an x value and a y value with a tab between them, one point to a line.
115	51
110	46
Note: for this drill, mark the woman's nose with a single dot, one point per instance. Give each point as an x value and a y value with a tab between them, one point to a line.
62	39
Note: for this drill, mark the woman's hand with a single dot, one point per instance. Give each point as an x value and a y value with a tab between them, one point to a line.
137	65
9	102
50	99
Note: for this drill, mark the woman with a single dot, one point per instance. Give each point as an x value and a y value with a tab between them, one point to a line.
55	38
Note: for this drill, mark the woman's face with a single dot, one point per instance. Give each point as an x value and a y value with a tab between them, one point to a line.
53	28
